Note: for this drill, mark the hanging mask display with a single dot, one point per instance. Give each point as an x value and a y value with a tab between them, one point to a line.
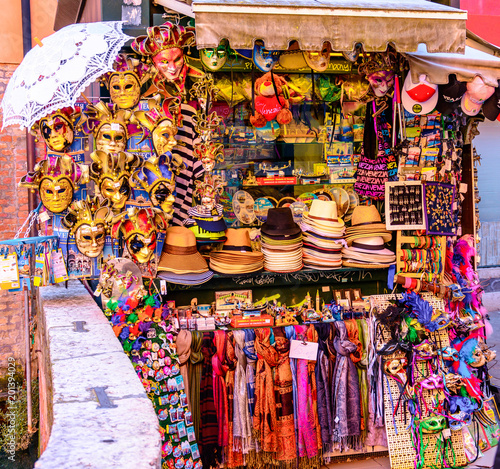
264	59
109	125
318	60
56	179
165	46
215	59
161	121
157	178
379	71
111	172
139	228
124	83
209	153
209	191
58	128
88	221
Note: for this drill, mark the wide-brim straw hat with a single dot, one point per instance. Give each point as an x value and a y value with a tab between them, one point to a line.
385	235
371	245
366	218
237	246
324	212
186	279
364	265
179	253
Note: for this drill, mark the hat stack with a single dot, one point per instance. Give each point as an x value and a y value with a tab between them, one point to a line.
237	256
281	240
207	225
180	261
366	238
323	234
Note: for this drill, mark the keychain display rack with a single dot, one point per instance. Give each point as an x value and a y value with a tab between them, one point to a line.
402	452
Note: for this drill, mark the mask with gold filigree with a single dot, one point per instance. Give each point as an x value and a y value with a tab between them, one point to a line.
139	227
161	121
58	128
379	70
204	91
209	153
209	190
164	45
111	173
157	178
124	83
56	178
109	125
88	221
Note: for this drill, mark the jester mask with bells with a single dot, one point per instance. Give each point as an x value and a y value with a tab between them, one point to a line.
109	125
164	46
56	178
111	173
157	178
161	121
124	83
139	227
58	128
209	153
88	221
209	190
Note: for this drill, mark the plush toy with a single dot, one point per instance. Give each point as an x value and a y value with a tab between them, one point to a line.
268	106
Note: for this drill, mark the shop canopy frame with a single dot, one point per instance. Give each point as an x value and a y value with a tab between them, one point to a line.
343	23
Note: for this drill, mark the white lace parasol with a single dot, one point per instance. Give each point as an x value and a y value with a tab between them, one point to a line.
54	75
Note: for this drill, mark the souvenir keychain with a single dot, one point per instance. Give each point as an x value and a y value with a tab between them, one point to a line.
40	276
59	273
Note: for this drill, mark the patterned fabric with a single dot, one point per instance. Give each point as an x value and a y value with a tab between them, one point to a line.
183	343
346	404
249	350
184	181
195	367
220	391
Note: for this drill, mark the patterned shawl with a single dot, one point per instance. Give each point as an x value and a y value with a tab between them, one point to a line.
346	404
220	391
264	417
232	458
242	419
183	343
249	350
195	367
283	393
323	383
307	407
209	449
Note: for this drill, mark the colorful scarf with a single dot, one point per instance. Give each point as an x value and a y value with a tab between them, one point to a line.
220	391
346	404
242	419
323	384
283	394
183	344
209	449
264	417
195	367
249	350
291	335
232	458
307	407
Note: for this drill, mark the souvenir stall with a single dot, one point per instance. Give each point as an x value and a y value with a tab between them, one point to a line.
283	239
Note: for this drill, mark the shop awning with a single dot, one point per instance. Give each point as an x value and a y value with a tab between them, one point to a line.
438	67
343	23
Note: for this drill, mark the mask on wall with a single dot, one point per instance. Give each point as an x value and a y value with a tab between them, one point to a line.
58	129
88	221
111	172
139	228
379	70
56	179
157	178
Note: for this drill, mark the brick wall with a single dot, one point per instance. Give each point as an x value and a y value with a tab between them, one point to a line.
13	212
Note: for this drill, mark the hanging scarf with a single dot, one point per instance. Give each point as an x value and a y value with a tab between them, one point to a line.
283	394
291	335
220	391
323	384
195	367
249	350
264	417
242	421
307	411
183	344
208	442
232	458
346	404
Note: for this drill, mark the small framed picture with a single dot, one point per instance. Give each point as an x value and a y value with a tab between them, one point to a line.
404	205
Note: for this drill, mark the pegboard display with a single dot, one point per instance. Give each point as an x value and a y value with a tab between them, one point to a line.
402	452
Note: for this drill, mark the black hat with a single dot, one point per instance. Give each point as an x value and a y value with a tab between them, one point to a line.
280	223
450	95
491	107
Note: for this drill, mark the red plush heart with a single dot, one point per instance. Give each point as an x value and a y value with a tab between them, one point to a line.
269	107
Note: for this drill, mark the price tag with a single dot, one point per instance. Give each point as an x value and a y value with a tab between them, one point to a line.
43	217
57	187
447	165
93	228
115	127
163	287
303	350
325	288
58	266
337	419
50	123
447	433
463	187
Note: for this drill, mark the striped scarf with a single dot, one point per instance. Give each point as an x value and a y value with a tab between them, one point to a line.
195	366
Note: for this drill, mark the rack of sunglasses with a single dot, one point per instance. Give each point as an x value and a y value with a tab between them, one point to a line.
422	259
402	450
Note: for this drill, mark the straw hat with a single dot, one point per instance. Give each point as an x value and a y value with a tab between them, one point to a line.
180	254
366	218
323	213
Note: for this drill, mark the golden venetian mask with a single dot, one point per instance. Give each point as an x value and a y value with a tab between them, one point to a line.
56	194
88	221
124	90
58	129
